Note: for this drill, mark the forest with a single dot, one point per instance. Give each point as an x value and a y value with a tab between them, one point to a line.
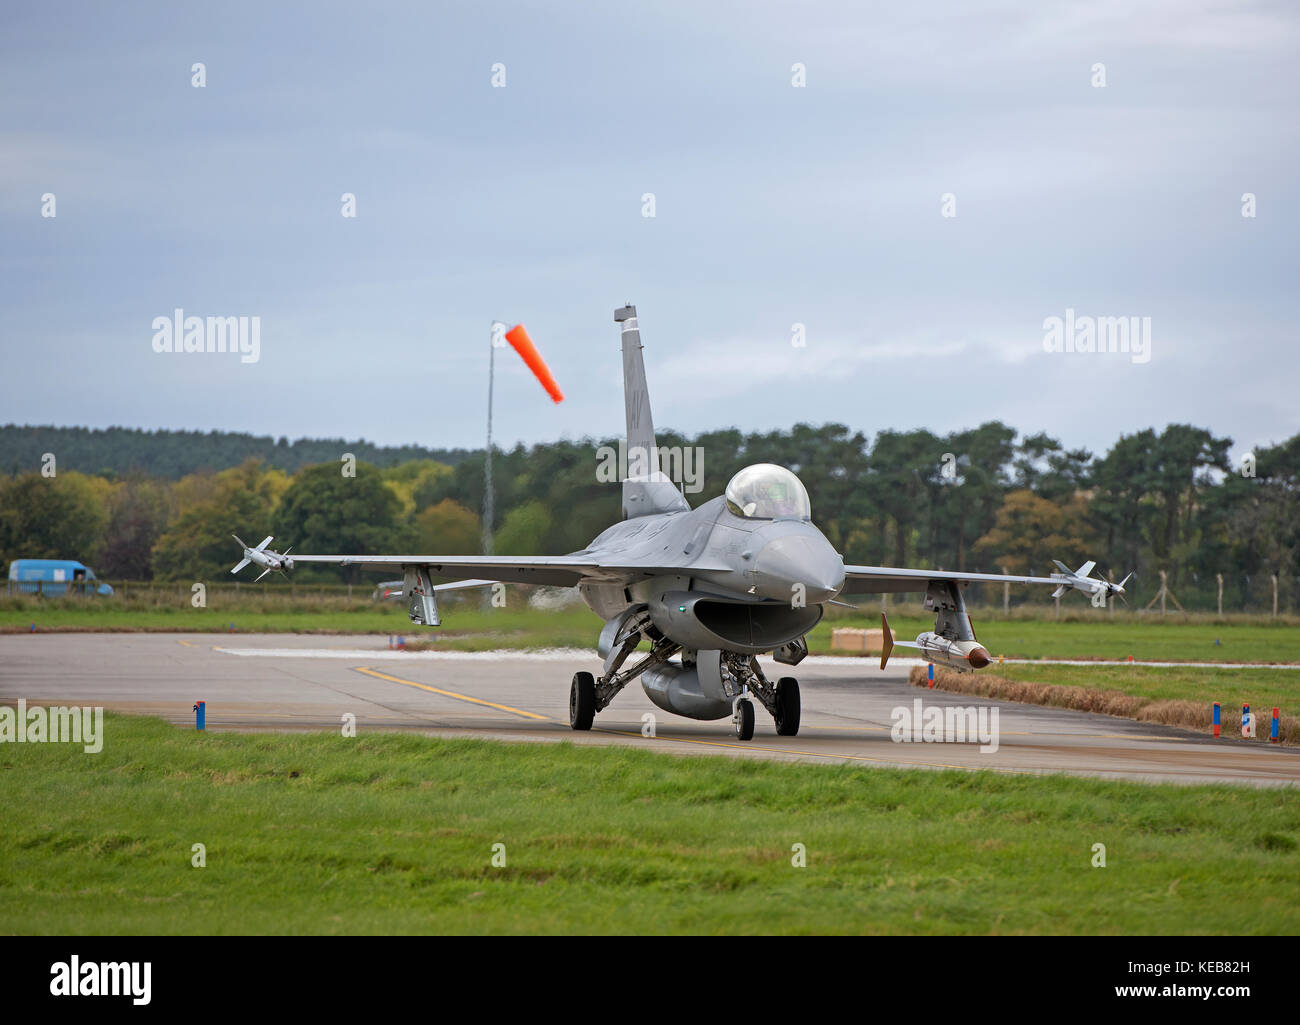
162	505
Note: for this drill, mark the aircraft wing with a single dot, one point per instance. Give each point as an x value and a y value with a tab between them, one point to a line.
555	570
892	580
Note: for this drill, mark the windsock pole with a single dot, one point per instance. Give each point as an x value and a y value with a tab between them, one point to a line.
488	497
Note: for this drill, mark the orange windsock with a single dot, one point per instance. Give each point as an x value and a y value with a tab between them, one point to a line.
517	336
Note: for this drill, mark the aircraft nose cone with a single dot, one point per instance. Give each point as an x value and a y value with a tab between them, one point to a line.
786	562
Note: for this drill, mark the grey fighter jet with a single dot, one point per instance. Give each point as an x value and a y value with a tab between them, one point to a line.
702	592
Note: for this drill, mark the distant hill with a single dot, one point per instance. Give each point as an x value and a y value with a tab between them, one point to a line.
173	454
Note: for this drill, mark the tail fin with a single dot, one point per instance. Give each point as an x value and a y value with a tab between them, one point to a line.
646	490
636	394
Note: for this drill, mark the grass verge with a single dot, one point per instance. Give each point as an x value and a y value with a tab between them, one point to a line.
393	833
1172	696
466	626
1099	637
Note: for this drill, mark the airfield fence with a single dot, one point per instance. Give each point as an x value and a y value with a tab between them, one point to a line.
986	601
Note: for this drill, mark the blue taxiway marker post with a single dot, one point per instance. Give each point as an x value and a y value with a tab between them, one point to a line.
930	674
1216	718
200	715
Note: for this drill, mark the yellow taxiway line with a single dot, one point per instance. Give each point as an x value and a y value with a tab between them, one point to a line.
449	694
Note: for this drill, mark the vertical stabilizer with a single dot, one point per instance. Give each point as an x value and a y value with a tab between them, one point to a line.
646	489
636	394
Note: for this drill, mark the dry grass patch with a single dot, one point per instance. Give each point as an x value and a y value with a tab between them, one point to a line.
1192	715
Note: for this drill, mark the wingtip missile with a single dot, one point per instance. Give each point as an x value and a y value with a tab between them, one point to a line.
1081	580
263	556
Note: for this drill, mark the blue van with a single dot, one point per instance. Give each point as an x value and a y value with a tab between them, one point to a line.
53	576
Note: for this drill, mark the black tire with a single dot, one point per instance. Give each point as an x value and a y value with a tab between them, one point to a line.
787	707
582	701
745	722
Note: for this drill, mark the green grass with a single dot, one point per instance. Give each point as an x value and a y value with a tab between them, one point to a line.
466	625
316	833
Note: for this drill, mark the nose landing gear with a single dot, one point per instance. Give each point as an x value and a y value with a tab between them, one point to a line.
745	679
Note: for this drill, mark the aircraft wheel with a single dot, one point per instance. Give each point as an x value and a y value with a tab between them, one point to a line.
582	701
744	719
787	706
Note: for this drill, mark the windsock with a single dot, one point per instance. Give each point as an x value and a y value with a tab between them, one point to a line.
517	336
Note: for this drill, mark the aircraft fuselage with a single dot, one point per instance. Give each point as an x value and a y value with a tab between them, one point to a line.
745	585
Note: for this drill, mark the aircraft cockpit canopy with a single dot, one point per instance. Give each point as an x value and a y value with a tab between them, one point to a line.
766	491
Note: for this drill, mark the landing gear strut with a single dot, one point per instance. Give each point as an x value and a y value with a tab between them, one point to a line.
589	695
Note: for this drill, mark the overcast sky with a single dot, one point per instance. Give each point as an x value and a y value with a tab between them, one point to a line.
774	205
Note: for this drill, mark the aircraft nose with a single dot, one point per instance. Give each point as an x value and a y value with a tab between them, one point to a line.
799	559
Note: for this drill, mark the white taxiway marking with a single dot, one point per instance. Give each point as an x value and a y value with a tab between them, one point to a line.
362	654
569	654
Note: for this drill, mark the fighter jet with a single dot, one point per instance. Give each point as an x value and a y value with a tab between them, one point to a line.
703	592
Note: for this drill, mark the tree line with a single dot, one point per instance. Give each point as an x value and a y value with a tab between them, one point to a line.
980	499
115	452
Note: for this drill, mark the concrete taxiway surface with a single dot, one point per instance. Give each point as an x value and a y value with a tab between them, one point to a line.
311	682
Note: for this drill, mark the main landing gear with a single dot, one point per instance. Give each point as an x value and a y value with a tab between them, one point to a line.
787	711
742	681
589	695
582	701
